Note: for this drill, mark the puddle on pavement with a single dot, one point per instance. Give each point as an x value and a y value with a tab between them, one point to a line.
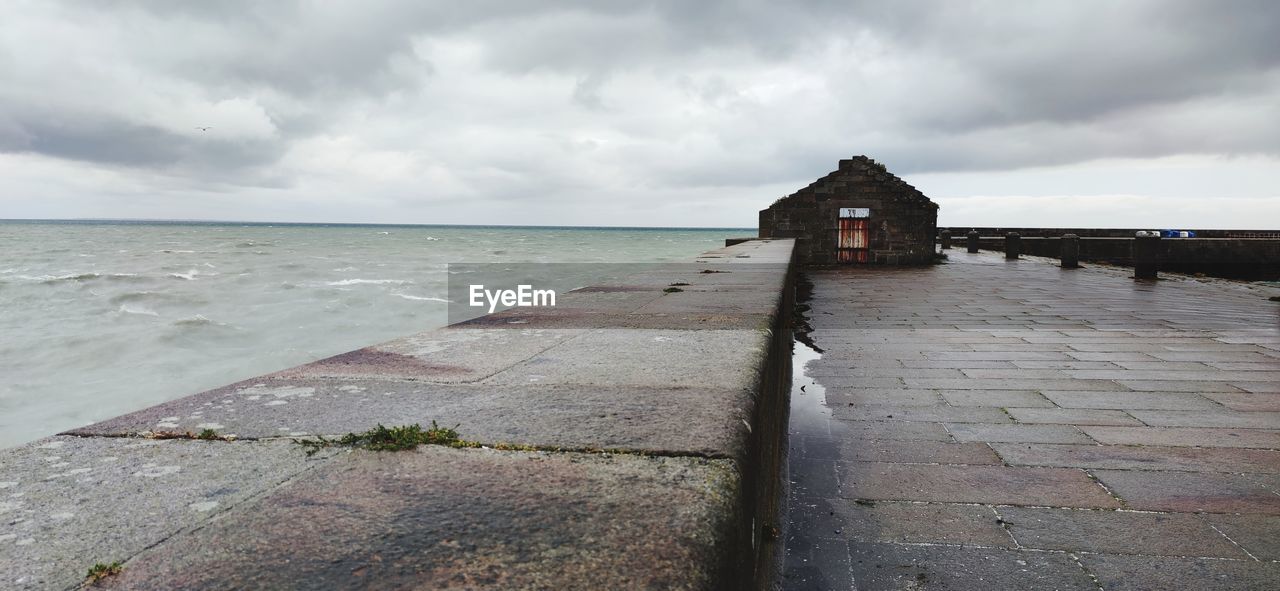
810	415
810	483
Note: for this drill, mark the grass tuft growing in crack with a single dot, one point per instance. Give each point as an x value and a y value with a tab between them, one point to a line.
101	571
205	435
408	437
382	438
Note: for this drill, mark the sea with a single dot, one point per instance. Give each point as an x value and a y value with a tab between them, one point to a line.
100	318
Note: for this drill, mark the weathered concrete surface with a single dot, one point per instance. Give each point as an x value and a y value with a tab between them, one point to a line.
459	519
683	390
640	419
1135	439
69	502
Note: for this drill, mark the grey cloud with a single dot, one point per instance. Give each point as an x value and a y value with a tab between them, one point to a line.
579	97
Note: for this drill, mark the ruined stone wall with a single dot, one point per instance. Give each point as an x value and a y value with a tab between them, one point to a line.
902	224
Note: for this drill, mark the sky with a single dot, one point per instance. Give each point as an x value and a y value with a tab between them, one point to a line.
633	113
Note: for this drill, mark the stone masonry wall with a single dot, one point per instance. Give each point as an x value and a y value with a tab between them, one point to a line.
902	224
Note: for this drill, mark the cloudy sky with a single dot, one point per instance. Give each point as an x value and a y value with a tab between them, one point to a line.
663	113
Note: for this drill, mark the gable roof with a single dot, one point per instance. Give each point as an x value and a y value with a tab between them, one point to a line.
861	169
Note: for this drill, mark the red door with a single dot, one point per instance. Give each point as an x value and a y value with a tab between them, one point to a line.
851	245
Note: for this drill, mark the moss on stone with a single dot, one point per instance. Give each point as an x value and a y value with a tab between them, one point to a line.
100	571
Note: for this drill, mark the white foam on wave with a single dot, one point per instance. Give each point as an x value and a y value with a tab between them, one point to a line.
135	309
370	282
189	275
74	277
198	320
420	298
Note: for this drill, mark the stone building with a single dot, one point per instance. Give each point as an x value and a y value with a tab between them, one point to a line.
861	213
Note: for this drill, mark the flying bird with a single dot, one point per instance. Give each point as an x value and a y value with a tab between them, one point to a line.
204	128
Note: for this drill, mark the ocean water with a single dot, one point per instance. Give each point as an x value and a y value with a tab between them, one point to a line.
102	318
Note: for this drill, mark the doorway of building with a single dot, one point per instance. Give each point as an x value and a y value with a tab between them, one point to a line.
853	238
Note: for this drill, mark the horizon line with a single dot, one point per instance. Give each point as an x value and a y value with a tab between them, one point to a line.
358	224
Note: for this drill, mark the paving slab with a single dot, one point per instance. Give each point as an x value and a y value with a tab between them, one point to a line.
1017	433
445	518
1190	492
1117	532
1178	386
889	429
1072	416
931	414
1258	387
67	503
447	355
1147	573
882	396
1132	400
1134	457
997	398
916	523
1247	401
1257	534
1184	436
890	450
1059	487
1013	384
898	566
725	359
817	565
1224	419
672	420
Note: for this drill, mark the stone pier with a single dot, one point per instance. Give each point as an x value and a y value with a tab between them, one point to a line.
626	439
1007	424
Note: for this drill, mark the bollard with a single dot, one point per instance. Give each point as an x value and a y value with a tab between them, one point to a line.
946	239
972	236
1146	249
1070	251
1012	245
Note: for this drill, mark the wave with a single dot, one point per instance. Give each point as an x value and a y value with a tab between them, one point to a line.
189	275
198	320
134	296
155	296
139	310
421	298
167	251
78	277
369	282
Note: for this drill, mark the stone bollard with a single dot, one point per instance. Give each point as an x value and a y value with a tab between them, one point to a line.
1146	250
1012	245
946	239
1070	251
972	236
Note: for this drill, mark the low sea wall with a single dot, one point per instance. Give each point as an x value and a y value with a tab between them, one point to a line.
1233	258
631	437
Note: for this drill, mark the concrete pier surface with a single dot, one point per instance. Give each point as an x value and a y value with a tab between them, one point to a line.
1009	424
626	439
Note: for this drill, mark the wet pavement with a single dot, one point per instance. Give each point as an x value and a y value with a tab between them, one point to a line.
992	424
